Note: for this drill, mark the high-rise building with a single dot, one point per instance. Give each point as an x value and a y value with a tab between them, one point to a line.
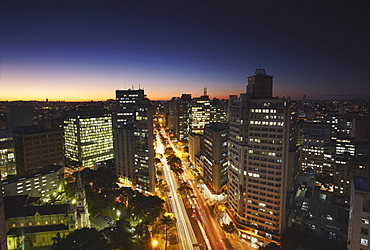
133	139
359	214
88	137
216	136
200	114
36	147
179	116
314	138
342	124
218	111
171	107
259	140
184	117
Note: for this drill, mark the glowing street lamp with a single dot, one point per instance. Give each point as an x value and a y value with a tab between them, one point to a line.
154	243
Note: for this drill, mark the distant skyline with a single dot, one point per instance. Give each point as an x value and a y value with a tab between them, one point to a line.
85	50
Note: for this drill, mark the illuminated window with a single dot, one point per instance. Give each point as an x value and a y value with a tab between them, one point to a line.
364	221
364	242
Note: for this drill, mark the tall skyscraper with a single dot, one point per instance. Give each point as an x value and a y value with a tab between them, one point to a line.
88	137
133	139
258	161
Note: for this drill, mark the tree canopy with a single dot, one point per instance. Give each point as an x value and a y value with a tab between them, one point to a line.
85	238
136	210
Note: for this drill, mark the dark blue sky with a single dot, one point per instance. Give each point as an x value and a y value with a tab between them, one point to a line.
83	50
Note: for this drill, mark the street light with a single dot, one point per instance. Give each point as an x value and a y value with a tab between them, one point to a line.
154	244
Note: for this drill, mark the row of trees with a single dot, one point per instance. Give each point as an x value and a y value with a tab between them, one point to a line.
173	161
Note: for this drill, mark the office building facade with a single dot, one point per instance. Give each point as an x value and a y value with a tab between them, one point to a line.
359	214
133	139
179	116
200	114
88	137
36	147
259	137
7	156
195	145
45	183
216	136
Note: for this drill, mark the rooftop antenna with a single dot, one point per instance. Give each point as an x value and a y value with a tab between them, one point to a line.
205	91
132	87
139	86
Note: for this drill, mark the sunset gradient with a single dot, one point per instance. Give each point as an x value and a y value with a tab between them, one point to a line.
85	50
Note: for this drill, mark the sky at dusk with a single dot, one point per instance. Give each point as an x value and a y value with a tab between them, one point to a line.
85	50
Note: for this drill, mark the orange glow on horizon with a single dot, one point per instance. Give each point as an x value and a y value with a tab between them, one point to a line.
73	88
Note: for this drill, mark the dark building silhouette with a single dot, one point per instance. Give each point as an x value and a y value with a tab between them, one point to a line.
36	147
133	139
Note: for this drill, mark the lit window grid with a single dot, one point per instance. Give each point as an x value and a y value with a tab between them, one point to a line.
260	180
95	136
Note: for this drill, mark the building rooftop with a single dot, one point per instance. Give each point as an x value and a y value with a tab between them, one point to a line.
361	183
87	112
50	169
21	206
6	134
33	129
260	72
217	126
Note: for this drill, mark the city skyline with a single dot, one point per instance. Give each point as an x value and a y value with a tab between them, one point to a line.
85	50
